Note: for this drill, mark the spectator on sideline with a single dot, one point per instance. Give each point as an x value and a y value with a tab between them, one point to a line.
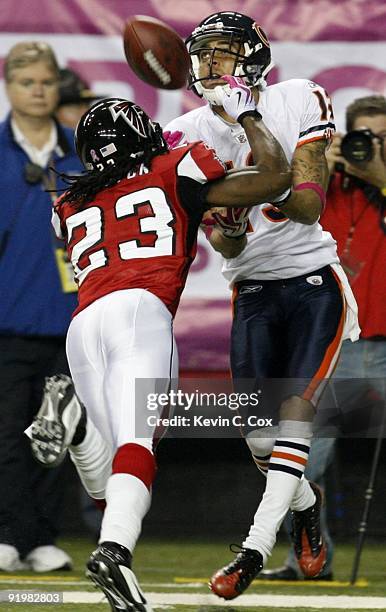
355	216
75	97
37	300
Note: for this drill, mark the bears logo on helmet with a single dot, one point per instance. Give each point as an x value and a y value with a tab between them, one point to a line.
248	46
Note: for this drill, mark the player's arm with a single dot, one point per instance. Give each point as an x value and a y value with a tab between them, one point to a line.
268	179
310	182
56	221
309	163
271	174
228	247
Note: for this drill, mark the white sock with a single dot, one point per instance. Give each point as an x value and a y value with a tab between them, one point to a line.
93	459
304	496
286	468
261	443
128	501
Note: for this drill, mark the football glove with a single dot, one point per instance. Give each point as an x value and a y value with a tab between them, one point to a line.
237	98
232	222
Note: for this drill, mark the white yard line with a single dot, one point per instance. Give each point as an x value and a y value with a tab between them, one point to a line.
145	585
38	582
178	583
274	601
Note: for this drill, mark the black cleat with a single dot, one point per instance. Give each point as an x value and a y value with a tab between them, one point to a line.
233	579
60	422
109	567
310	549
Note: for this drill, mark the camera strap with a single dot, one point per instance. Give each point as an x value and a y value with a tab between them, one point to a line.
352	266
353	223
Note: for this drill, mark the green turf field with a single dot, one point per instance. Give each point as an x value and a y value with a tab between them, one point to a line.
176	573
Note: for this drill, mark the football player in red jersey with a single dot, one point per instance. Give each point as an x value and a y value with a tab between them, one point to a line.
130	225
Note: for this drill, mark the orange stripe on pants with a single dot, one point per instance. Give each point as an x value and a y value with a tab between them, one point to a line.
330	352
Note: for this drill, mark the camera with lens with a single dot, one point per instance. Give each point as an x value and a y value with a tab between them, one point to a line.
358	145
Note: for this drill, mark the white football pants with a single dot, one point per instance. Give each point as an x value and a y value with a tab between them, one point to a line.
121	337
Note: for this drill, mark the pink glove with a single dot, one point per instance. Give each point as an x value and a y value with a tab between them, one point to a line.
237	97
173	139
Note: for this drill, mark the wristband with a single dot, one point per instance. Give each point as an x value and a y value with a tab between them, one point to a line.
283	201
316	188
249	113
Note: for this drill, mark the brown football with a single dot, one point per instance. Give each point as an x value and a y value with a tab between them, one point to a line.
156	53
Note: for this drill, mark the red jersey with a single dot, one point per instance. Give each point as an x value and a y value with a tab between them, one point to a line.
354	223
142	232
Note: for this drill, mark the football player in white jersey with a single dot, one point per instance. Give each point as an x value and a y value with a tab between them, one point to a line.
292	303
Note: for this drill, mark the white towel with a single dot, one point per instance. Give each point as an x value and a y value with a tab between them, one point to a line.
351	328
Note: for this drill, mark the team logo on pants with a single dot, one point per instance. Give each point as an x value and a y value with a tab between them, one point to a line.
314	280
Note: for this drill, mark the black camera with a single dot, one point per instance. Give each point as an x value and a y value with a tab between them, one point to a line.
357	146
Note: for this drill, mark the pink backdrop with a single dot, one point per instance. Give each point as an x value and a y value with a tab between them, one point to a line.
299	20
340	44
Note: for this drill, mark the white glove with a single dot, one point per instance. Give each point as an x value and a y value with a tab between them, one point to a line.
232	222
237	97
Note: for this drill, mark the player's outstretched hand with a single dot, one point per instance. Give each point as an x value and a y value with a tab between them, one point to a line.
173	139
237	98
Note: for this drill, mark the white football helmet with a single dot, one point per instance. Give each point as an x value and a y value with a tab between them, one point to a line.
252	59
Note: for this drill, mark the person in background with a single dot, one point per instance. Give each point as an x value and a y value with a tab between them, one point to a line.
75	97
355	216
38	296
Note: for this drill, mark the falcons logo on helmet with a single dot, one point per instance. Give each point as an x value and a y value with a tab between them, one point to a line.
132	114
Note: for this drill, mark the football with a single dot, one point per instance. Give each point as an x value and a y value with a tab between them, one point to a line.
156	53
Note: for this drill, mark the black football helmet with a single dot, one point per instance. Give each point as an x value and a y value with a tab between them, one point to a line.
114	128
248	44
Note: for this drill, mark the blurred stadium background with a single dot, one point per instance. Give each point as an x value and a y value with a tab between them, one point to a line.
208	488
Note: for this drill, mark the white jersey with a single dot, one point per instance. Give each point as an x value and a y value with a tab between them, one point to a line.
296	112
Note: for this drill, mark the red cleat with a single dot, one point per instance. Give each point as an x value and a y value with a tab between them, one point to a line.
310	549
233	579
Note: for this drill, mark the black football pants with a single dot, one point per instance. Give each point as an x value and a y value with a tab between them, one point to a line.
30	496
288	334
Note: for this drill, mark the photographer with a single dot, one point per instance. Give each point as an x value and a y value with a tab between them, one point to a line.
355	215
